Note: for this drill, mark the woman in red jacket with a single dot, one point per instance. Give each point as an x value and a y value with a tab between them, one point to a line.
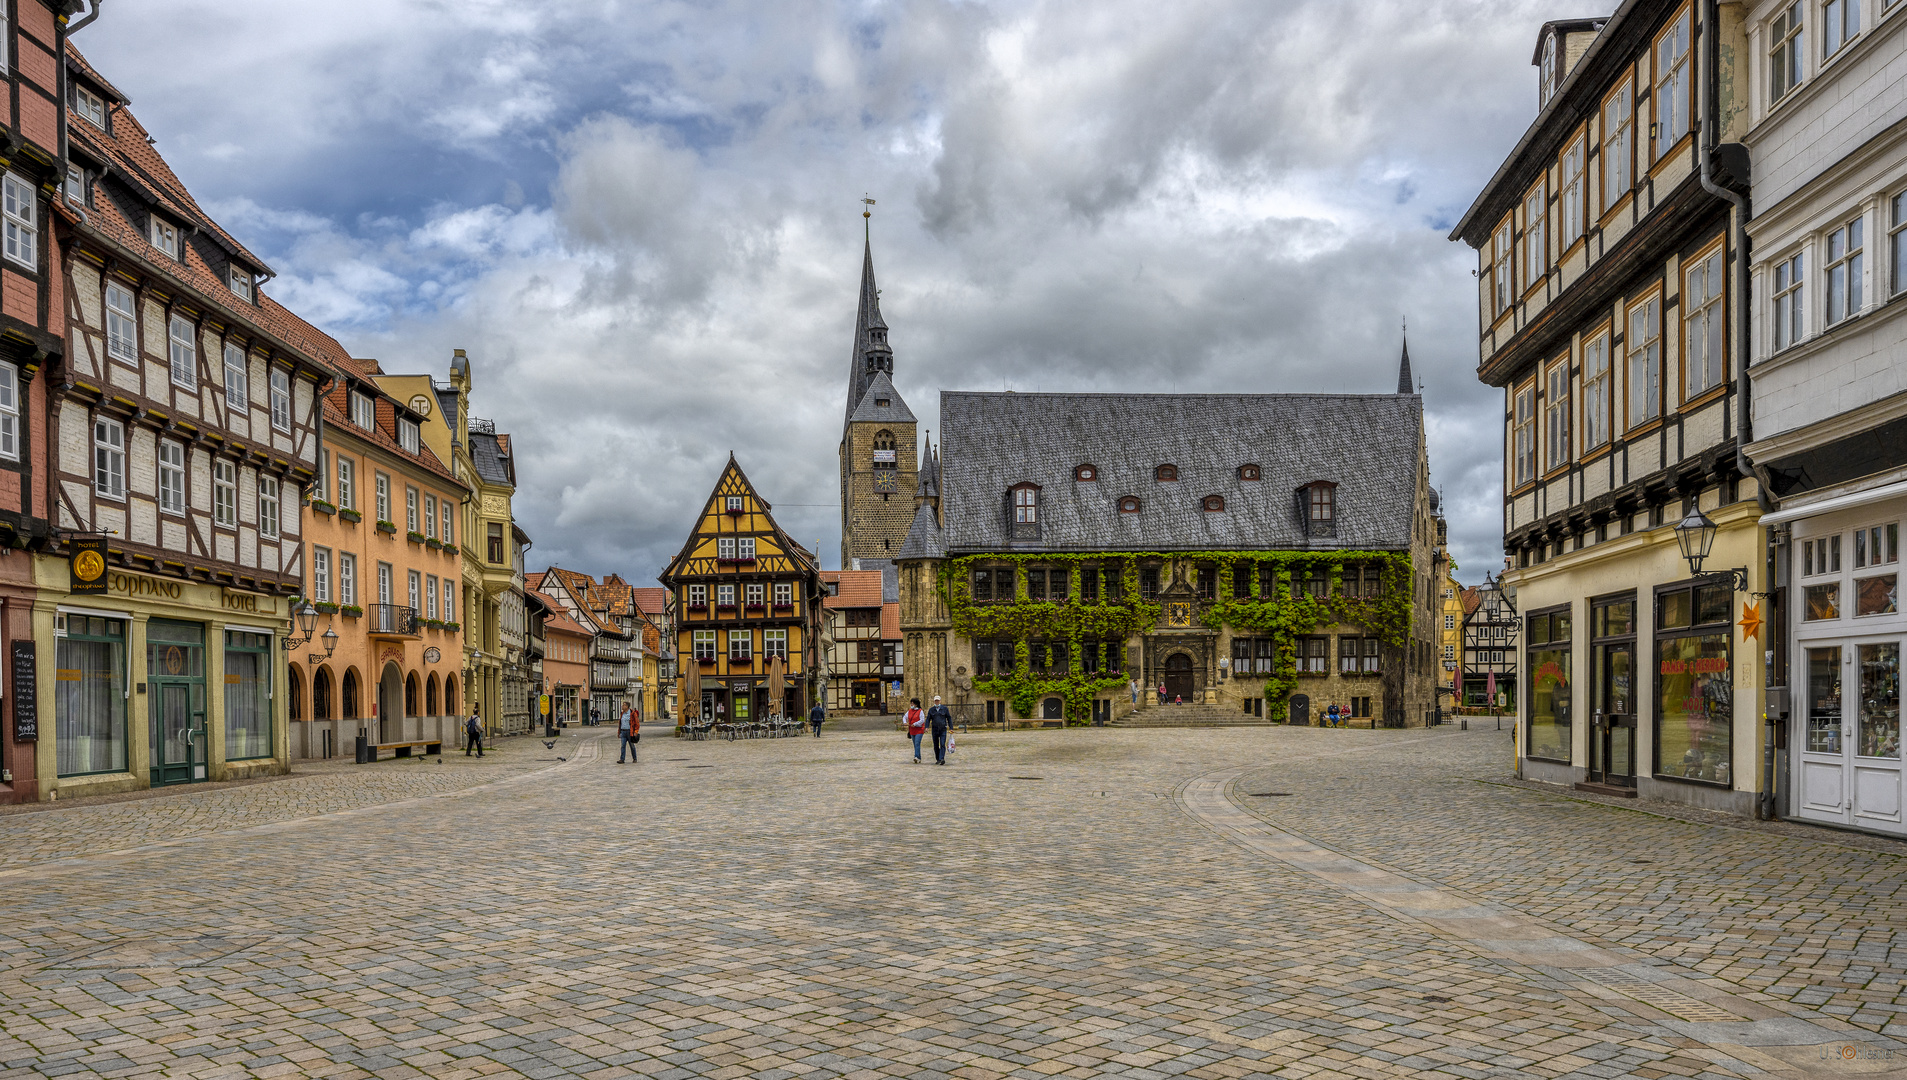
916	726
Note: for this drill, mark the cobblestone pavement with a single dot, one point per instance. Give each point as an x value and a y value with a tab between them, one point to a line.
1056	903
49	831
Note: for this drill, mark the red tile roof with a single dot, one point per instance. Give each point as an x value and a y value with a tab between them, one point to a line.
858	588
652	601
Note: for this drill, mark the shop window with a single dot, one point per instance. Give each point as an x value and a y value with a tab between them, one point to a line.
1548	637
1821	602
1876	545
1824	700
247	695
1695	686
90	696
1879	731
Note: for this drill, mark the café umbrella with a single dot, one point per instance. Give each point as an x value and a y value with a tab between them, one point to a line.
692	691
774	683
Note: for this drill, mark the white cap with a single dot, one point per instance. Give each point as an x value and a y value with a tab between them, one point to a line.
936	697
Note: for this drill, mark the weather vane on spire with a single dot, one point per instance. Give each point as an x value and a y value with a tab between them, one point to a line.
869	212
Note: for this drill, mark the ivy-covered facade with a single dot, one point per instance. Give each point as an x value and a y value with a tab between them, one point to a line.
1264	555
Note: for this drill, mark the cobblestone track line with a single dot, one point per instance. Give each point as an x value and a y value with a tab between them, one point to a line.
1751	1028
588	750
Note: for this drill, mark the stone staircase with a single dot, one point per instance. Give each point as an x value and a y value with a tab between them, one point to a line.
1184	716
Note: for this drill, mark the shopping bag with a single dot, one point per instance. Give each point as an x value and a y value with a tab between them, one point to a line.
950	745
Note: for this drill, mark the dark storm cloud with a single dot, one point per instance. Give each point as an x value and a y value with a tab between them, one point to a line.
642	220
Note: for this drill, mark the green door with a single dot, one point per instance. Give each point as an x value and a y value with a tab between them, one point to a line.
175	680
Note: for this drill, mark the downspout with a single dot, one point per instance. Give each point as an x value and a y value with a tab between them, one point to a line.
1738	237
1711	131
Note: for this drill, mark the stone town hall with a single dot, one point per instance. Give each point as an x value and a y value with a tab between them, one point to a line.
1260	555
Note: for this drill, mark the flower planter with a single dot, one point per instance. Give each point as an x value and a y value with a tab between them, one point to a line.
351	515
414	537
387	527
433	543
326	608
323	507
453	627
351	611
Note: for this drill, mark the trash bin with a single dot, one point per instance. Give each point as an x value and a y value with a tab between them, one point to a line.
364	748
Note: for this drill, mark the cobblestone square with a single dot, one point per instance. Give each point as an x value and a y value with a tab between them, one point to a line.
1205	903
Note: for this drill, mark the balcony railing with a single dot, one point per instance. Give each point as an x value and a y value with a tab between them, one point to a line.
391	620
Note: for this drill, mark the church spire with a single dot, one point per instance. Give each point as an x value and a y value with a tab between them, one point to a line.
871	352
1405	384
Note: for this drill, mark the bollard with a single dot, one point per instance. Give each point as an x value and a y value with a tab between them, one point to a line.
1464	724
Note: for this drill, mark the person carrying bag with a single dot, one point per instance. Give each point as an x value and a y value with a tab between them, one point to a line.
916	726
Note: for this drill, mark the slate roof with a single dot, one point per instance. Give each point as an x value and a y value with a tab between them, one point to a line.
1369	445
868	316
929	485
923	537
878	390
491	459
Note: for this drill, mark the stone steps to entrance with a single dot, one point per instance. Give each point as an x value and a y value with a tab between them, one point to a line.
1168	716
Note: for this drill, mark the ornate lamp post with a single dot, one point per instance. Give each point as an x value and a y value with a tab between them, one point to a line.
1695	535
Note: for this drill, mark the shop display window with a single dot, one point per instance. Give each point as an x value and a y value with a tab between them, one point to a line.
1549	685
1695	685
247	695
1824	701
1822	602
89	698
1880	701
1876	595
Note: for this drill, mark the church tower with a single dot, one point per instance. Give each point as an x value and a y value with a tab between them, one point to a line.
879	447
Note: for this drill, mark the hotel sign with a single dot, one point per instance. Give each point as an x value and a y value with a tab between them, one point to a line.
87	565
135	585
251	603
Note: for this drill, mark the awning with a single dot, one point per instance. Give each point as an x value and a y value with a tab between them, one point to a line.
1839	502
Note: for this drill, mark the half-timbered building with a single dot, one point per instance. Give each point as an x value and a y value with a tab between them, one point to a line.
745	594
32	339
181	427
1611	306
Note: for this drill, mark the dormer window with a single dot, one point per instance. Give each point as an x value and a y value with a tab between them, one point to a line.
240	280
407	435
89	106
1317	504
1548	88
363	411
1214	503
165	236
1086	473
1129	504
1248	472
883	403
1166	472
1023	511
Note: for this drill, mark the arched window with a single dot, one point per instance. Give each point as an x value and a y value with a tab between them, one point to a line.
296	706
1248	472
321	695
430	695
410	695
1166	472
350	695
450	695
1086	472
883	440
1129	504
884	456
1214	503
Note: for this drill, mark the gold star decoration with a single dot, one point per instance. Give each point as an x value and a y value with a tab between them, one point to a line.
1750	621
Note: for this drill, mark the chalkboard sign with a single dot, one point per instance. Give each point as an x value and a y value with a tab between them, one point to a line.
26	694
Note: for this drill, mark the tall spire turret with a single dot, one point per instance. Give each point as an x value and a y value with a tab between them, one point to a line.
872	354
1405	384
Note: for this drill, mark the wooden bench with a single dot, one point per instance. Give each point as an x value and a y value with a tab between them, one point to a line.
404	749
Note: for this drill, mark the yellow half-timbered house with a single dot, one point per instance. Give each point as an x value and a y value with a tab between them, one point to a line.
745	594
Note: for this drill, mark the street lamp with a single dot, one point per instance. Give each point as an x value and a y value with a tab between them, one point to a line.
1695	535
330	640
306	617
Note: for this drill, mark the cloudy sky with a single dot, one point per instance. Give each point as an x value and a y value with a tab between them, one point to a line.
643	219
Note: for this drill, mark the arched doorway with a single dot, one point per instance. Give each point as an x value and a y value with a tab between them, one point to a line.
410	695
390	704
295	707
321	695
351	695
450	695
1178	678
430	696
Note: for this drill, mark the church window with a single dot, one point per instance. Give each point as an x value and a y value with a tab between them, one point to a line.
884	449
1166	472
1129	504
1086	472
1214	503
1248	472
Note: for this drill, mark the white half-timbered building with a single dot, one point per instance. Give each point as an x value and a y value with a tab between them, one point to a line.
184	430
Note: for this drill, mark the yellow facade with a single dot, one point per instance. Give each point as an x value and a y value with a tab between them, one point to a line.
745	592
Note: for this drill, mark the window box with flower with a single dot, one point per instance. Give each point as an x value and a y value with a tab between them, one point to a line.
414	537
323	507
351	611
351	515
387	527
325	607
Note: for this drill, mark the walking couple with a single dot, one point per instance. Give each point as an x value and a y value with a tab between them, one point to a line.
938	720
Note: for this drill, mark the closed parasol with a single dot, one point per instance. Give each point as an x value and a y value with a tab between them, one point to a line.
692	691
774	683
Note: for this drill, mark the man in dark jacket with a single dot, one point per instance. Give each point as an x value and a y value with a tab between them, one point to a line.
815	716
938	721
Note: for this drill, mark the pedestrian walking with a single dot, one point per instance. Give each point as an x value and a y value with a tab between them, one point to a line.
815	716
1135	690
473	731
916	726
940	721
629	731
